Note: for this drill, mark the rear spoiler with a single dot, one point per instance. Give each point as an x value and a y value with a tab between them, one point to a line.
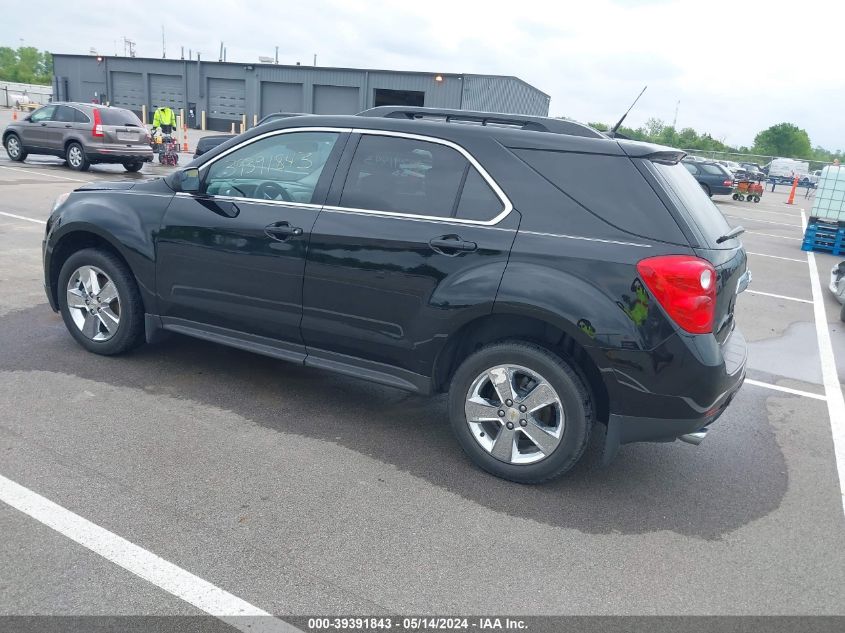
666	158
651	151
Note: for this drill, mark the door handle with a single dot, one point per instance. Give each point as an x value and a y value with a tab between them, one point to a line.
43	125
68	125
282	231
451	245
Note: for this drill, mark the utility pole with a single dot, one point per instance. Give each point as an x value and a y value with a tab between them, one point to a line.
675	120
220	57
163	48
128	47
277	55
315	59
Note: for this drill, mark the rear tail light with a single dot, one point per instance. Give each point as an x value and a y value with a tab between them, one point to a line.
728	183
97	130
685	287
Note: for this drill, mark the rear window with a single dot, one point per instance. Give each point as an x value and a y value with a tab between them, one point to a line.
611	188
116	116
690	198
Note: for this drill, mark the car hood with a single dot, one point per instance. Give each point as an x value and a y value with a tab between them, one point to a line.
107	186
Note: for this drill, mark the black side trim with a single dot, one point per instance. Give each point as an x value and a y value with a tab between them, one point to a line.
258	344
369	370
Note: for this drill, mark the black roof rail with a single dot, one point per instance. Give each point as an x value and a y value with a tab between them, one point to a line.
520	121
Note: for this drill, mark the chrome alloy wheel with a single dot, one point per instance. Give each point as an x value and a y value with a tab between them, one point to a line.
74	156
13	146
93	303
514	414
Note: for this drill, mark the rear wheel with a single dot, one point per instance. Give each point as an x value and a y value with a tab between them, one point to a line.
133	166
520	412
100	302
706	189
14	148
76	158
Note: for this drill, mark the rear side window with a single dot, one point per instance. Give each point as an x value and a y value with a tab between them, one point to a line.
117	116
714	170
691	168
694	203
404	175
63	114
611	188
478	201
80	117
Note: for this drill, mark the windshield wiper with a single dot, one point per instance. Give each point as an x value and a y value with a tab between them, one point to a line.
736	232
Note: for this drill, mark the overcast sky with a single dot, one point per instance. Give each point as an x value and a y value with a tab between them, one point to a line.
736	67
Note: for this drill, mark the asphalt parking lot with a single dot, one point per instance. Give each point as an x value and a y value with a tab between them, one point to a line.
302	492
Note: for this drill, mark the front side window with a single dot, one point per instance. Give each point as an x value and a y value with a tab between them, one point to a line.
404	175
283	167
44	114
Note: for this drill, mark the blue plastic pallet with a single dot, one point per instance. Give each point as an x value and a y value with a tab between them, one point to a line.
824	235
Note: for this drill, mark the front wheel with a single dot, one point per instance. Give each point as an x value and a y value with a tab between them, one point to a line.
76	158
520	412
100	302
14	148
133	166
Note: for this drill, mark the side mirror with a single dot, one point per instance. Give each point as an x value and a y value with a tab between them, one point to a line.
189	180
28	117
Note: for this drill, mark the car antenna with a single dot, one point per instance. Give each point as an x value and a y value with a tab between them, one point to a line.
616	127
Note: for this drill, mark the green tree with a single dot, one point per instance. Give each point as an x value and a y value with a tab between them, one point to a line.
26	65
784	139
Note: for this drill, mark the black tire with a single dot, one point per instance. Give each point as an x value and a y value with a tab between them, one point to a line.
130	330
574	397
17	152
133	166
706	190
76	158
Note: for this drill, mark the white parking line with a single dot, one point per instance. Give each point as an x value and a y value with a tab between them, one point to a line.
788	259
756	210
21	217
739	217
795	392
769	294
830	376
163	574
783	237
41	173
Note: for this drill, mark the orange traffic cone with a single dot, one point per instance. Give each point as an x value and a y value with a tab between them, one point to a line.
14	115
185	138
792	192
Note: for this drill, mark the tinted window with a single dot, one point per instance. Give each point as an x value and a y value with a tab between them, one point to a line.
43	114
696	204
117	116
611	188
405	176
478	201
282	167
63	114
80	117
714	170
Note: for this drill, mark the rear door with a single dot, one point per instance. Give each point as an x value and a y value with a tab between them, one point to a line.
122	127
60	126
412	243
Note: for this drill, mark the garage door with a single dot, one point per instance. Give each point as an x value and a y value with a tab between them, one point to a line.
167	90
280	97
226	99
128	89
336	100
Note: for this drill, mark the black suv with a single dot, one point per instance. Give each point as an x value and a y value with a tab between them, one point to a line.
432	251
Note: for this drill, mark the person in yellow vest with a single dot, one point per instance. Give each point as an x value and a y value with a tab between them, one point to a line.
165	119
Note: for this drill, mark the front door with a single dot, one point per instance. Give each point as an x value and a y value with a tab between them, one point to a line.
230	259
414	245
35	131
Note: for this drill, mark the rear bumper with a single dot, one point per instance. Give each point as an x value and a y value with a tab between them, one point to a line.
686	395
120	154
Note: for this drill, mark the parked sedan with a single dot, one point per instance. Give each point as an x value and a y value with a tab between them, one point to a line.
82	134
715	179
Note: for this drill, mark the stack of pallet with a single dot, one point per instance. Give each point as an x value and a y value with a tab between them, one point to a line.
826	228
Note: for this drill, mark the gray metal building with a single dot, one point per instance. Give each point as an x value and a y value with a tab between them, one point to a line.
229	91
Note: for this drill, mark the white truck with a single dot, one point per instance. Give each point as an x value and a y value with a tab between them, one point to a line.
787	169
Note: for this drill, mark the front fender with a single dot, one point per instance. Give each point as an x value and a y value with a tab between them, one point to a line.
127	221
